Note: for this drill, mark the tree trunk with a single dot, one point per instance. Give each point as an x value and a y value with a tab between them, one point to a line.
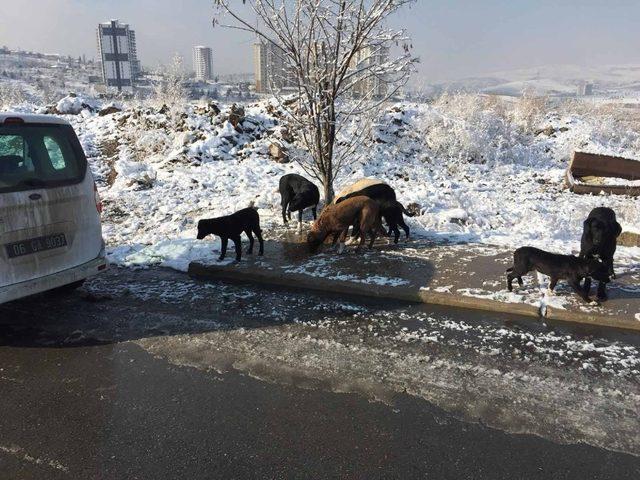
327	183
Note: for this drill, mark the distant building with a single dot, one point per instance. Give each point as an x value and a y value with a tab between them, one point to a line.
585	89
118	55
270	68
203	63
372	84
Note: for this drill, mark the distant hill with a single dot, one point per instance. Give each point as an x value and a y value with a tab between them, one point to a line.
555	80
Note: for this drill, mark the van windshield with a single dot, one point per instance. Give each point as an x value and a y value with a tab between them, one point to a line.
39	156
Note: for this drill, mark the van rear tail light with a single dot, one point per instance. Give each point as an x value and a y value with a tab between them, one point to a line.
97	197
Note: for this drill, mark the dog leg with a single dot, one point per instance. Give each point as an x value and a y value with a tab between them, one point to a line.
587	284
315	214
552	285
258	233
250	235
575	284
405	227
223	250
237	242
363	239
602	291
342	240
510	282
373	238
612	274
285	203
334	241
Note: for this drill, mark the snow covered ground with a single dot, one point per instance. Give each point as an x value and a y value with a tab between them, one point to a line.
481	169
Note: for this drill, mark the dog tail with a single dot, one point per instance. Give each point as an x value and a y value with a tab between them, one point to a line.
405	211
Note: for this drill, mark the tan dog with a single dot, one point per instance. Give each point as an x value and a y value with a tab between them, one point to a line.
336	219
356	187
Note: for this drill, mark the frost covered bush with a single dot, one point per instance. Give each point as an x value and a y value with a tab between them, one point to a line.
170	89
11	94
600	128
478	129
474	129
528	111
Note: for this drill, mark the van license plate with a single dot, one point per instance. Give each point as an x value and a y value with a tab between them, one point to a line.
34	245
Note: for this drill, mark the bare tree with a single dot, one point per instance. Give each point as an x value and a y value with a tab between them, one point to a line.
334	68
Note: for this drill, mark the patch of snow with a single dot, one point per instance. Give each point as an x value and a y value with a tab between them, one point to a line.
71	105
322	269
176	254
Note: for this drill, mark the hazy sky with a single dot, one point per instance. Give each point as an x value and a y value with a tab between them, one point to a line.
453	38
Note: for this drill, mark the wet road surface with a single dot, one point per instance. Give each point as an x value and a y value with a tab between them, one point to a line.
147	374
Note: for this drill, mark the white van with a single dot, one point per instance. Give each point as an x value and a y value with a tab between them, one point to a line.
50	233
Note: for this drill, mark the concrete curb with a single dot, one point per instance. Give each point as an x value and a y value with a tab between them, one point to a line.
306	282
587	318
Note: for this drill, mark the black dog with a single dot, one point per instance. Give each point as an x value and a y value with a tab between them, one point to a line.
390	209
558	267
392	213
599	239
246	220
298	193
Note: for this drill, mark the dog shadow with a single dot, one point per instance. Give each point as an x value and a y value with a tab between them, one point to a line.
124	305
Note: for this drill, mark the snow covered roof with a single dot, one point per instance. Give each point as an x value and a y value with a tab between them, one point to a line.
31	118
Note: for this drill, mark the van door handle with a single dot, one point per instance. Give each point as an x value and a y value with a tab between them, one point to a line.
35	196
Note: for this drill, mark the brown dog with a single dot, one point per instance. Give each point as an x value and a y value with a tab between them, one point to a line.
336	219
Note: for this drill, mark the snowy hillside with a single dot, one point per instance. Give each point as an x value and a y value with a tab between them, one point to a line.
479	169
556	80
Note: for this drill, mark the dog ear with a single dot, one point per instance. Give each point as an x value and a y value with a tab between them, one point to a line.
617	229
587	226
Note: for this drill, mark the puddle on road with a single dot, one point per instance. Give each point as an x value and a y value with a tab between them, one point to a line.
558	404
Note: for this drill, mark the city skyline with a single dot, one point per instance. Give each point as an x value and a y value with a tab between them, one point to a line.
459	39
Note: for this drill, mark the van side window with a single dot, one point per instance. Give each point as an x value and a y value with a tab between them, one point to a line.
55	153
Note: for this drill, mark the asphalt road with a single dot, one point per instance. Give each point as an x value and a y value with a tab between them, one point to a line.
116	382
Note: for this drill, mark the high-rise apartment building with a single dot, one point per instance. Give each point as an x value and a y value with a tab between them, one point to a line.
270	68
203	63
371	83
118	55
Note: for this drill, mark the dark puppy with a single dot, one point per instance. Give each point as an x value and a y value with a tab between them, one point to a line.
392	213
557	267
297	193
599	239
246	220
